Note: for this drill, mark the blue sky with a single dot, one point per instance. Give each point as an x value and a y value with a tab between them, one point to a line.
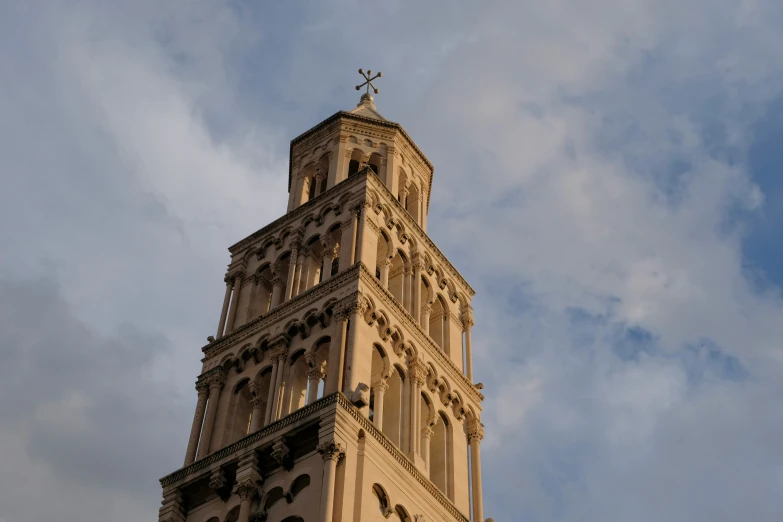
606	177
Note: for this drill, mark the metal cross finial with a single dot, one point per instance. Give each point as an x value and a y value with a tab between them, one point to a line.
368	78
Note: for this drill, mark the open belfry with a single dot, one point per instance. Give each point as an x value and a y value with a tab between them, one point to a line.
339	385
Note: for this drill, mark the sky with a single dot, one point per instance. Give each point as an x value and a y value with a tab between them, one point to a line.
607	178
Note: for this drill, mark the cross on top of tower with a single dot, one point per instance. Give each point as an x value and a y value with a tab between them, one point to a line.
368	78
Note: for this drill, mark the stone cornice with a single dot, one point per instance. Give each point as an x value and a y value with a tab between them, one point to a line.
296	214
343	115
377	184
424	340
342	402
248	329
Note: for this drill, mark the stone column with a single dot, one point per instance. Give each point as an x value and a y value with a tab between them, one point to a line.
391	178
319	182
277	291
254	282
224	310
385	268
256	419
379	388
246	491
338	166
425	318
467	323
356	312
334	370
408	282
332	451
279	384
314	376
232	311
360	219
423	221
347	244
287	390
475	434
426	435
198	420
298	277
403	196
326	263
289	288
418	373
215	383
272	387
418	266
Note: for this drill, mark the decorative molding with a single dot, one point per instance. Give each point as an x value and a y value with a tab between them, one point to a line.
424	340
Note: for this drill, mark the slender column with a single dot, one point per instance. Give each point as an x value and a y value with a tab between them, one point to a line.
403	196
423	222
475	434
356	311
198	420
418	373
426	435
289	288
232	311
385	268
314	376
408	282
361	218
334	373
332	451
354	233
270	401
224	310
257	418
287	391
246	491
347	244
279	384
467	323
338	166
391	178
379	389
254	282
320	177
405	438
425	318
215	383
298	278
418	266
326	263
277	291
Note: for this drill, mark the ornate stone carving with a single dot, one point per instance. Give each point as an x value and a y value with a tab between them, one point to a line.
282	454
361	395
246	489
475	430
380	386
418	372
216	380
331	450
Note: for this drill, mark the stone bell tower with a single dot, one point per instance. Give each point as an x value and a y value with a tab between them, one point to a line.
339	384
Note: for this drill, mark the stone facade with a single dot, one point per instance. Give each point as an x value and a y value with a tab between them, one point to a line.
339	384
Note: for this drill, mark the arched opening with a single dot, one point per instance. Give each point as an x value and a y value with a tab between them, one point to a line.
318	369
397	278
441	467
427	412
261	293
241	409
402	513
261	392
296	388
355	162
333	239
438	322
322	172
375	163
383	500
393	410
282	276
412	205
311	190
377	368
233	515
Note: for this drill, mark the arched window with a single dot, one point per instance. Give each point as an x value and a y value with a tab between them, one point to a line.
393	409
294	396
383	500
441	450
335	266
312	190
241	411
402	513
356	160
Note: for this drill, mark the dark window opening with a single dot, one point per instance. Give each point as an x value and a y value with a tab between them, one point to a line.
353	167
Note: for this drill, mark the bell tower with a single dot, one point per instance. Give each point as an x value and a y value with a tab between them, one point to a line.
339	384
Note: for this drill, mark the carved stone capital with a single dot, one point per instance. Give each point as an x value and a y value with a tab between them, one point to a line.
202	388
475	430
380	386
331	450
427	432
216	381
279	341
418	372
467	319
257	401
246	489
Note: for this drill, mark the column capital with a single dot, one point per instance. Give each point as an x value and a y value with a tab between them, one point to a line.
418	371
212	378
427	432
246	489
331	450
279	341
475	430
380	386
467	318
315	373
202	388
